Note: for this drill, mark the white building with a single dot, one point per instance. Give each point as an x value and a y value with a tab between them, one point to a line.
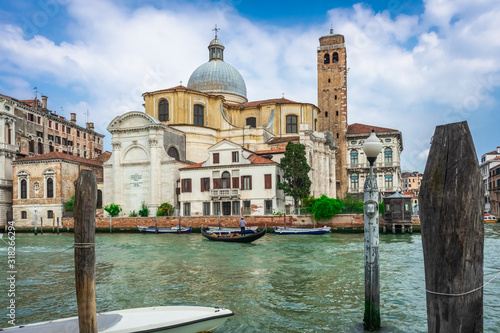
232	181
387	167
488	162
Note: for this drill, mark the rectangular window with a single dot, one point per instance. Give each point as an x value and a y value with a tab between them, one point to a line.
206	208
205	184
57	126
236	208
291	124
24	215
58	140
226	208
85	135
50	137
68	130
236	182
268	184
268	207
246	182
186	185
236	157
77	133
39	134
50	214
50	123
187	209
215	158
216	208
247	207
39	120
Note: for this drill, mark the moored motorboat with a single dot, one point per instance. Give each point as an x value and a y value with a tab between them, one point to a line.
490	218
172	230
233	237
301	231
171	319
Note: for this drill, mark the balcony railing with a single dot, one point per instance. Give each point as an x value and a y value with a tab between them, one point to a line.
225	193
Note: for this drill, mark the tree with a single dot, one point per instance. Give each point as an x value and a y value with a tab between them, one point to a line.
112	209
70	204
165	209
295	172
325	208
352	205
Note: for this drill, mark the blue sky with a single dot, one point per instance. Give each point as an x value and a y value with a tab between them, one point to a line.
413	65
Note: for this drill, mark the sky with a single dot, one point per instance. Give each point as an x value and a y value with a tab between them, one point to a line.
412	65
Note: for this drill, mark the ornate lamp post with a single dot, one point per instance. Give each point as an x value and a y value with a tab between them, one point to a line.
372	148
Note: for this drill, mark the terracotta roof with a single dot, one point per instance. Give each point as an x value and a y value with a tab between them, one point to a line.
55	155
272	151
362	129
264	101
256	159
283	139
494	152
104	157
196	165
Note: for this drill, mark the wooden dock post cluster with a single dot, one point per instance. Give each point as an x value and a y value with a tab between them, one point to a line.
85	206
451	207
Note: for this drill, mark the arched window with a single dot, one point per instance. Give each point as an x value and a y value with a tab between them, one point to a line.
99	199
24	189
198	115
326	58
388	180
50	188
172	152
226	180
51	147
335	57
354	156
40	147
291	124
32	146
163	110
252	122
354	181
388	155
50	214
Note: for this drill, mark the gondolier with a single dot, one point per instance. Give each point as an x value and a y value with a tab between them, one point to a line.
242	225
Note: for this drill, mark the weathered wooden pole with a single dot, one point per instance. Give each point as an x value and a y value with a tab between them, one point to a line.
84	217
451	207
156	224
58	225
36	226
179	230
41	225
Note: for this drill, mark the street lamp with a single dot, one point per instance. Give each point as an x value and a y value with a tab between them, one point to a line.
372	148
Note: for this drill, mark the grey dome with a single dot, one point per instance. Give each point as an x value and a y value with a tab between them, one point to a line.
216	76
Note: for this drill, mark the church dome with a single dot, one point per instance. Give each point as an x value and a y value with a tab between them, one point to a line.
217	76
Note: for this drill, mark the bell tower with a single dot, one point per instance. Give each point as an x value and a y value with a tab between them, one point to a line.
332	100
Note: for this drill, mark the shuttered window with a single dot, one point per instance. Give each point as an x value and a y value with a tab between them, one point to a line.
236	182
186	185
246	182
268	184
215	158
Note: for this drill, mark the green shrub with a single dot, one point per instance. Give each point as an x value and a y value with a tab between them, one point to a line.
165	209
352	205
325	208
112	209
133	213
70	204
144	211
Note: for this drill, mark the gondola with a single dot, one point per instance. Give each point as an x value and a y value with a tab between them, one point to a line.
233	237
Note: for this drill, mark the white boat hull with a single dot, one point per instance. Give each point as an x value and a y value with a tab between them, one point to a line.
301	231
171	319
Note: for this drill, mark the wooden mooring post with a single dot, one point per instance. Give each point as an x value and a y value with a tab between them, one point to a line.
84	217
451	208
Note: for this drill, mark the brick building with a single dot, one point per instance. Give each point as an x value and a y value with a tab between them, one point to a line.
28	128
42	184
494	189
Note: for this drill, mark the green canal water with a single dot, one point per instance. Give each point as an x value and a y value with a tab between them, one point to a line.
279	283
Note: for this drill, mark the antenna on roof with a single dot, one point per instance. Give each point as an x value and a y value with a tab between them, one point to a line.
282	95
87	116
36	92
181	82
331	28
62	111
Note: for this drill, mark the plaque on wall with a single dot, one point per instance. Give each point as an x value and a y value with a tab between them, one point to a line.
136	180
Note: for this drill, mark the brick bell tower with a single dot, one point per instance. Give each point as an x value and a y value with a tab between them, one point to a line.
332	100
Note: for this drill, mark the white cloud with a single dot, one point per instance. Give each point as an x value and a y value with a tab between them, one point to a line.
406	72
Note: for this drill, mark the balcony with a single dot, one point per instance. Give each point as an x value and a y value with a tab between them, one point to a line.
225	193
357	165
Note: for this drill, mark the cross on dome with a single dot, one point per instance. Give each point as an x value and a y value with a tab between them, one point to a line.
216	29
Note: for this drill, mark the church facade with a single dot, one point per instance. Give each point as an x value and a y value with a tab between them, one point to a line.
176	136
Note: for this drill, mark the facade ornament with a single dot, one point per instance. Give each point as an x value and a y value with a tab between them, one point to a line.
153	142
116	145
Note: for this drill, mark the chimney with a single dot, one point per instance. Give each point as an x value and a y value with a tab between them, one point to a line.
44	102
90	126
498	150
73	117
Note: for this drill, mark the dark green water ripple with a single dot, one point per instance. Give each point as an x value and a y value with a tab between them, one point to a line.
289	283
